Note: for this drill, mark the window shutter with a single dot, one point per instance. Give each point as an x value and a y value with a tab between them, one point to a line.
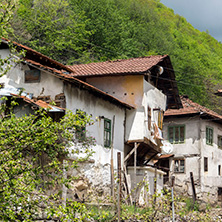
149	118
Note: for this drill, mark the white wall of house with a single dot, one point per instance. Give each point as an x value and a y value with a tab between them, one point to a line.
137	120
144	182
15	78
99	173
193	150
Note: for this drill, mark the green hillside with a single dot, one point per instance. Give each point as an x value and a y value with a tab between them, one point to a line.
82	31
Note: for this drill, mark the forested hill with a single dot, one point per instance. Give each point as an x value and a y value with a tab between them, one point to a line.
82	31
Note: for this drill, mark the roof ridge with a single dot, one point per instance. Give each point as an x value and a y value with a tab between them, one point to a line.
120	60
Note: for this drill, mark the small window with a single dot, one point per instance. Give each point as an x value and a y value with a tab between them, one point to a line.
107	132
219	170
209	136
176	134
160	119
149	118
32	76
81	129
219	142
205	164
179	166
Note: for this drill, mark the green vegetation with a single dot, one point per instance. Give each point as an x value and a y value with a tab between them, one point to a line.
77	31
33	160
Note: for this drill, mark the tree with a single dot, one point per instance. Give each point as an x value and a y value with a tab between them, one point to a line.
52	28
32	153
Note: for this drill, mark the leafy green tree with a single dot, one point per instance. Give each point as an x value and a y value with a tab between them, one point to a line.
33	149
52	28
82	31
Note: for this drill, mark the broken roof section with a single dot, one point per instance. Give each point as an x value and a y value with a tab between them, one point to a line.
61	71
136	66
191	108
8	92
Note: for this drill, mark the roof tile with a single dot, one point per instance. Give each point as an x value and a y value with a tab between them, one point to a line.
124	66
190	107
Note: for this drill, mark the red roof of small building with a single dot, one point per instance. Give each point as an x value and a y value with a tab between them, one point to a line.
190	107
117	67
39	103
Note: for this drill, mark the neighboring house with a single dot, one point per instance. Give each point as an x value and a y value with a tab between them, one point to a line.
148	84
196	135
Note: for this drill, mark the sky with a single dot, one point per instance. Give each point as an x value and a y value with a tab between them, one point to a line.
202	14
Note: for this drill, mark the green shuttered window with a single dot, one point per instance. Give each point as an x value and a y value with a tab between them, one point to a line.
209	135
176	134
107	132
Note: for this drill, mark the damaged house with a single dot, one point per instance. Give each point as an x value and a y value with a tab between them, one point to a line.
126	98
45	80
149	85
196	135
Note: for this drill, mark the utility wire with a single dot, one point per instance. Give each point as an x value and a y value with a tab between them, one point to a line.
170	80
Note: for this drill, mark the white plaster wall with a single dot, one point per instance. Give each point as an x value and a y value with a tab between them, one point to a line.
127	88
191	145
48	85
137	120
138	92
155	99
94	106
145	178
214	154
190	149
195	144
135	124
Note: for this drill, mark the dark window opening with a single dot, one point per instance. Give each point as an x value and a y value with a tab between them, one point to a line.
107	132
219	192
219	142
179	166
32	76
209	136
205	164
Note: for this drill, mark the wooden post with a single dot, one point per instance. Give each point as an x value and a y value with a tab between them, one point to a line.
155	184
111	162
134	177
64	188
172	196
119	187
193	187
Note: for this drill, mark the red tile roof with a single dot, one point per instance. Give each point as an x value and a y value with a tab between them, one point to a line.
32	52
117	67
190	107
64	72
65	76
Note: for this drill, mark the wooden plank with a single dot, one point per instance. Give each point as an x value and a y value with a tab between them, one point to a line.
131	152
193	187
111	162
